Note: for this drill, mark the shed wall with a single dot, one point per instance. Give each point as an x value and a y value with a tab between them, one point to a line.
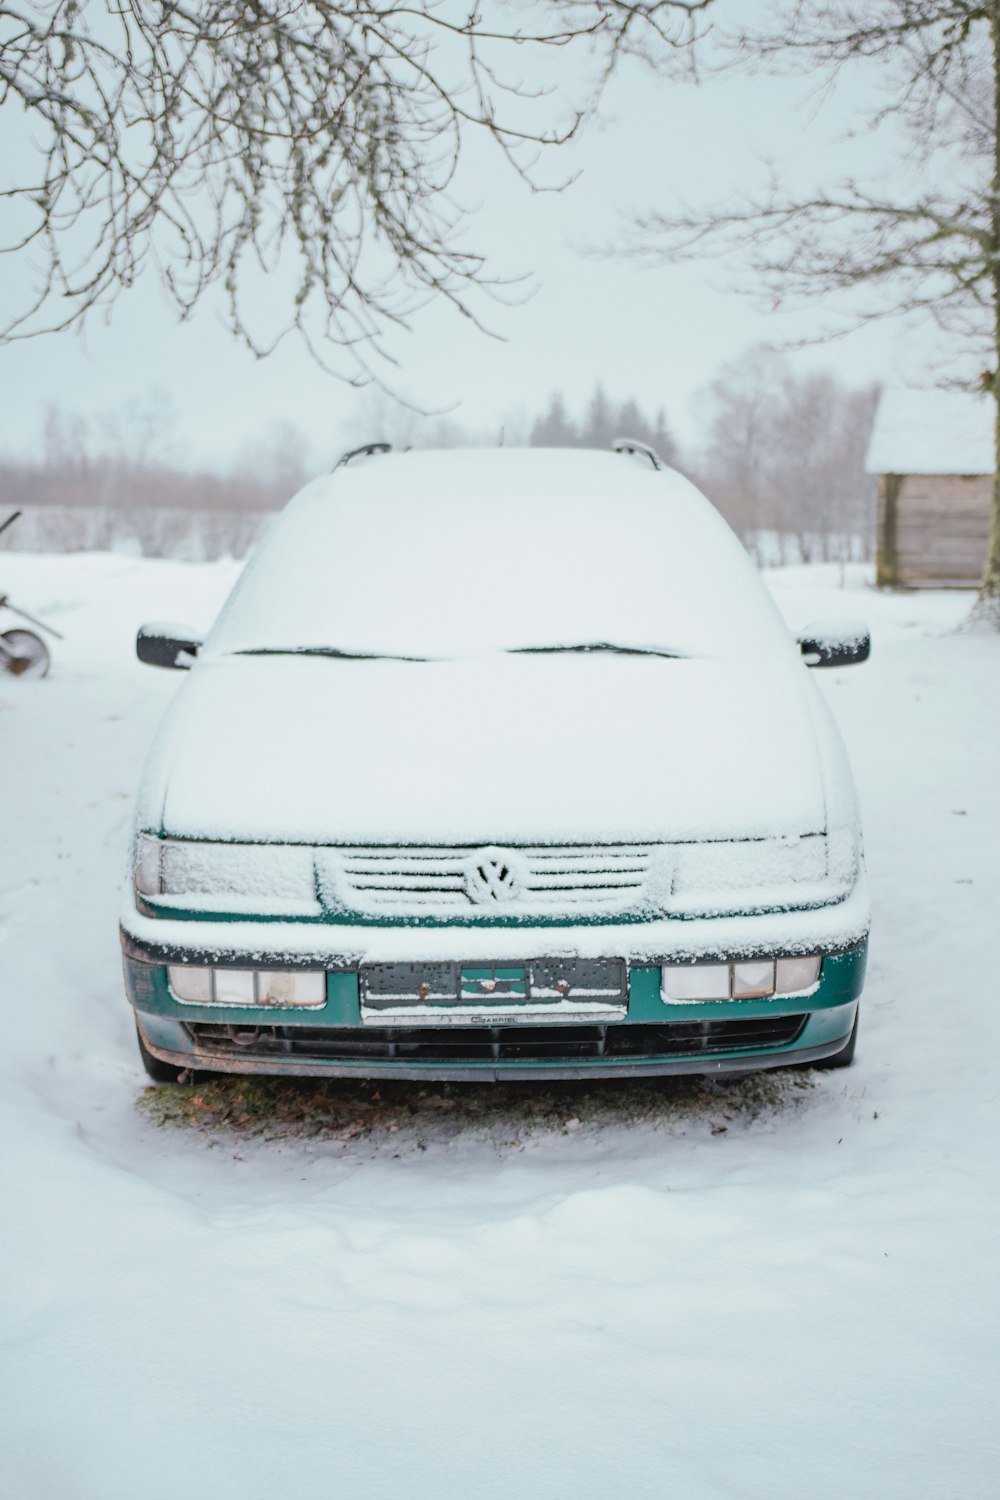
932	529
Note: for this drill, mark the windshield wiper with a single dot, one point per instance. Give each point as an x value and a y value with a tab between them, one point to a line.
340	655
334	651
589	646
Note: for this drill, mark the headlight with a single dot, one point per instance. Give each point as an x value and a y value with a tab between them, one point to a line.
197	984
750	875
264	879
746	979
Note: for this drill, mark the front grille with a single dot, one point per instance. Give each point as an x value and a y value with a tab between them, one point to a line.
528	881
465	1044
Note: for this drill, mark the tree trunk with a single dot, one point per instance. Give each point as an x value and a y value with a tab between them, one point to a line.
989	598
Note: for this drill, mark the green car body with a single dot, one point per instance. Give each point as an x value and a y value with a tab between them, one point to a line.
666	1039
583	906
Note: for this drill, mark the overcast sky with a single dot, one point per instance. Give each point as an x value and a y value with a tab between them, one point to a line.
658	334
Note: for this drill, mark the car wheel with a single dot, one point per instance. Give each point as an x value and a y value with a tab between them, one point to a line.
845	1056
159	1072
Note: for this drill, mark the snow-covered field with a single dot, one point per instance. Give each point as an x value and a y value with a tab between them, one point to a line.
632	1303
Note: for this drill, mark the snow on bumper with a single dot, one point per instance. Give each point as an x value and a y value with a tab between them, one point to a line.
826	929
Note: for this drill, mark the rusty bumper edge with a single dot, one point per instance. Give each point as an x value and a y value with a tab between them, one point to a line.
201	1059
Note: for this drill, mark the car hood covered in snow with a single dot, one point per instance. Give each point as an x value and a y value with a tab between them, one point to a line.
549	748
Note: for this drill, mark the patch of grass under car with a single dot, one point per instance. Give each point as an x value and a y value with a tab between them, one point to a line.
391	1111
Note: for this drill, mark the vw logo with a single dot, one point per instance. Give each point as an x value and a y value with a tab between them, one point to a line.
492	875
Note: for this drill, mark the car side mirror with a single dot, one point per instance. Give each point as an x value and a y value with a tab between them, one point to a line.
835	643
167	646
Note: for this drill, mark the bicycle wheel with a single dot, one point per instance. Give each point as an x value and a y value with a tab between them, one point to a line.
23	654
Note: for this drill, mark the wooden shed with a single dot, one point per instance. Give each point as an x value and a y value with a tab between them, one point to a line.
933	454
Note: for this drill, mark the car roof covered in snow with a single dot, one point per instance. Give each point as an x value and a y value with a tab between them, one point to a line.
471	551
932	432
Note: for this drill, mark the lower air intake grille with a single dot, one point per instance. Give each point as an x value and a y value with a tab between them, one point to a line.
464	1044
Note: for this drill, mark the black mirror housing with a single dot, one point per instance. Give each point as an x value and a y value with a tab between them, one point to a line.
167	646
835	643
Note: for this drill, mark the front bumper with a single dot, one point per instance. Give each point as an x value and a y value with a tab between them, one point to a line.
654	1038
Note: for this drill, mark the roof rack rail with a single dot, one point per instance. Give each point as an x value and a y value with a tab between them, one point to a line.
367	450
632	445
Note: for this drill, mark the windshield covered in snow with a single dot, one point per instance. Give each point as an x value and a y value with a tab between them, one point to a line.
439	555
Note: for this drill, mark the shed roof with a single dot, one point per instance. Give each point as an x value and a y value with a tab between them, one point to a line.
932	432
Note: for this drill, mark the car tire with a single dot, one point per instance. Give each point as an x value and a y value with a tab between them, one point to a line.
845	1056
158	1071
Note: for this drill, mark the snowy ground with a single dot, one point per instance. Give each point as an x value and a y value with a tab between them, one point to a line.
802	1304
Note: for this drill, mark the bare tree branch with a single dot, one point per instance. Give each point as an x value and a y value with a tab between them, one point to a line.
315	144
927	250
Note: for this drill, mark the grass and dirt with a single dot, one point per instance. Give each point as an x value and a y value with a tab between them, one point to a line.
404	1115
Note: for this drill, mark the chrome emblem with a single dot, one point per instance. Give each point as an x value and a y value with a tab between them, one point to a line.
492	875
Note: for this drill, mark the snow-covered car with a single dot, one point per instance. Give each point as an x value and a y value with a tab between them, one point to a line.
497	764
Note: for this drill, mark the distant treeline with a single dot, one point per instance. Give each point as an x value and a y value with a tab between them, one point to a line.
602	422
783	459
115	483
783	456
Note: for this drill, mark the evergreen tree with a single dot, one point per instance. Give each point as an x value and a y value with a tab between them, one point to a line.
555	429
631	423
663	440
599	423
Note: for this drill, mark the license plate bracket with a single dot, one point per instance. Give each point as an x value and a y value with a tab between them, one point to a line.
537	988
